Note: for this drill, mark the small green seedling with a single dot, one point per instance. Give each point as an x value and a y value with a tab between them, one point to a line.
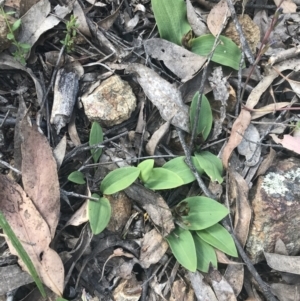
197	233
21	48
71	27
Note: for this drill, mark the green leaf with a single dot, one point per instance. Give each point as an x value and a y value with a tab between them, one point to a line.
10	13
76	177
146	168
119	179
25	46
205	119
61	299
227	53
211	165
171	19
99	213
182	245
180	168
205	254
161	178
16	25
203	212
219	238
22	253
96	137
10	36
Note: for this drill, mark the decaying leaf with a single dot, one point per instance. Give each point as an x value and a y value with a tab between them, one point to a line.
155	205
37	21
33	233
217	16
163	95
153	247
283	263
198	25
249	146
187	62
39	175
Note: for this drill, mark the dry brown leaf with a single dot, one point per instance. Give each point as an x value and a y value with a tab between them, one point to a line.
238	129
222	258
60	151
283	263
268	109
238	190
265	165
286	292
39	175
163	95
288	6
80	216
187	63
81	20
249	146
222	288
234	275
33	233
198	26
156	137
216	17
153	247
289	142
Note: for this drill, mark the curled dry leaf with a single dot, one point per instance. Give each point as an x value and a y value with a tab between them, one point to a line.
163	95
39	175
32	232
187	62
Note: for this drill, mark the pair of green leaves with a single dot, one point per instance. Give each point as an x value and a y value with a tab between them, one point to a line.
172	23
193	245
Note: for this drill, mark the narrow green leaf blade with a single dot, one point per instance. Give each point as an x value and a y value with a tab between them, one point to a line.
146	168
96	137
25	46
61	299
227	53
76	177
161	178
205	254
99	213
16	25
180	168
205	119
119	179
219	238
22	253
182	245
211	165
203	212
171	19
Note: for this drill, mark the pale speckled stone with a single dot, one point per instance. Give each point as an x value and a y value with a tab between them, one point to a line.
276	210
111	103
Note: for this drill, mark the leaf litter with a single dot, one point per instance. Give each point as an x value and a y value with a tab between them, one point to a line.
164	77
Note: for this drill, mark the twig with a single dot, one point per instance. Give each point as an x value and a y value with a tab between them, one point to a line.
190	164
265	288
10	167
